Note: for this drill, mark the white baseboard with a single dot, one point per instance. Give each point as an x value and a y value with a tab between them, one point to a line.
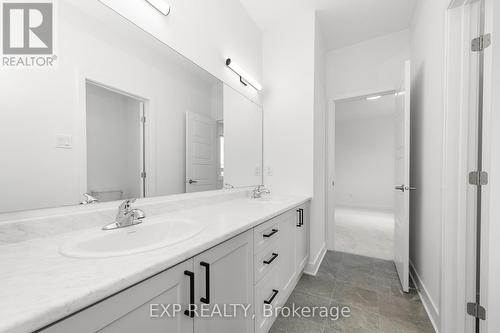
312	267
429	305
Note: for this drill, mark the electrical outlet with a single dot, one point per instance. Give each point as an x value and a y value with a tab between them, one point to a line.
257	171
269	171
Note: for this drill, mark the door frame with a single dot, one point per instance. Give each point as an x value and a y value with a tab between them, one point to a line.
80	126
330	158
457	232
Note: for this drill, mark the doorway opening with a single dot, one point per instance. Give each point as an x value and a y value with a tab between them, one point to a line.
115	140
368	200
364	175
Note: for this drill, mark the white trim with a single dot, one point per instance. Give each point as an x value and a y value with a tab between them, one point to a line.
429	304
312	267
456	282
80	126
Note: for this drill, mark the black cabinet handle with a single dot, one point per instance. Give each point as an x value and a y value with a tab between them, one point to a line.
270	260
206	299
274	231
273	296
301	216
190	312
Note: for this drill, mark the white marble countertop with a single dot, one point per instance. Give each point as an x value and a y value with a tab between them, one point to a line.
38	285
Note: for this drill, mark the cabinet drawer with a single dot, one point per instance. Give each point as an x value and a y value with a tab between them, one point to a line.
267	292
267	259
266	233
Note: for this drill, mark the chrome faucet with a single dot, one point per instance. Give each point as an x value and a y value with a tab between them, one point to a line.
259	190
88	199
126	216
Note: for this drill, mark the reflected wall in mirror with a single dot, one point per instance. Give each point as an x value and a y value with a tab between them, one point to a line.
121	115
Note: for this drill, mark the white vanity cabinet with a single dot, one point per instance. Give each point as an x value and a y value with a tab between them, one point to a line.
260	266
129	310
280	261
224	276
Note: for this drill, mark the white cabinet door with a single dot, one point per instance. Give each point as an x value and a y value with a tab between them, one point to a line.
229	268
301	237
130	310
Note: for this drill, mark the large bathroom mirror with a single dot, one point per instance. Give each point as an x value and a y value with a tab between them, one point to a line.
119	115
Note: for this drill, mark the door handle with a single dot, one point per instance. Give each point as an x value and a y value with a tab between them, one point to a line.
273	296
410	188
192	181
206	299
270	260
400	188
190	311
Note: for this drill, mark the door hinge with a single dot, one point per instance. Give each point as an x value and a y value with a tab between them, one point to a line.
480	43
478	178
143	174
143	119
476	310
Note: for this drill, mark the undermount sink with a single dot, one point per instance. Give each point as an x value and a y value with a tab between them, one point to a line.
152	234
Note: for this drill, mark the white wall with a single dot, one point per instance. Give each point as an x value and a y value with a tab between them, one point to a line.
207	32
364	160
242	140
114	160
289	105
427	109
318	205
294	105
371	66
38	105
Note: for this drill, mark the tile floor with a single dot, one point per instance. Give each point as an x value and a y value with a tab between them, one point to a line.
366	232
369	286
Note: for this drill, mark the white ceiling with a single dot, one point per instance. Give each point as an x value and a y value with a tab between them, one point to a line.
365	109
343	22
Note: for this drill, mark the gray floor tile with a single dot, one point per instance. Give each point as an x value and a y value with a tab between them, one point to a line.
391	325
351	295
359	321
316	285
370	287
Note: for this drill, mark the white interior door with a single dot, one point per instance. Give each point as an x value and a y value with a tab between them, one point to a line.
402	181
201	153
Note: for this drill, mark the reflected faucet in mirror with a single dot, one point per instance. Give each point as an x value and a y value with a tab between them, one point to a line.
259	190
126	216
88	199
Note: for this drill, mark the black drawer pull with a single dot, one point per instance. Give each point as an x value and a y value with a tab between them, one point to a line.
299	223
270	260
206	299
273	296
190	312
301	217
274	231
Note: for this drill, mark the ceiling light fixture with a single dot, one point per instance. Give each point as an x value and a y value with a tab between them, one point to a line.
160	5
372	98
245	79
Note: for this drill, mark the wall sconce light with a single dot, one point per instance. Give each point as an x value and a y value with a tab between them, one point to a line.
160	5
245	79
